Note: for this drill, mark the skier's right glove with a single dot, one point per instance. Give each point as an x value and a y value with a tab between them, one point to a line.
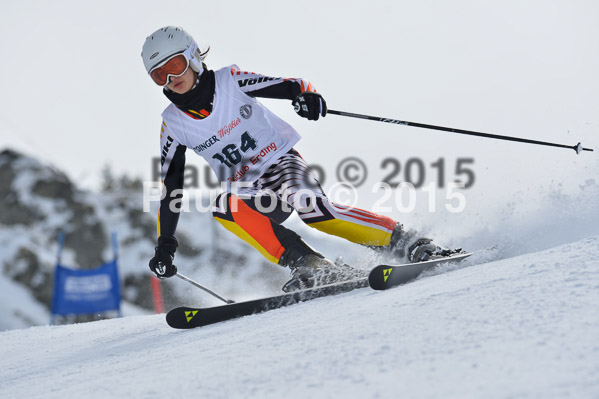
162	262
310	105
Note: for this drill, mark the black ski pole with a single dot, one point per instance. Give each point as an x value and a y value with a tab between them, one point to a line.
578	147
214	294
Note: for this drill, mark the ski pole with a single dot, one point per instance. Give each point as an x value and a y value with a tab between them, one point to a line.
214	294
578	147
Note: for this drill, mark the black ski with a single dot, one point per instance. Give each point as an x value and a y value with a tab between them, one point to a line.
383	277
186	317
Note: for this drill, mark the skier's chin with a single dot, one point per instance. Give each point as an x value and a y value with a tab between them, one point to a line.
179	88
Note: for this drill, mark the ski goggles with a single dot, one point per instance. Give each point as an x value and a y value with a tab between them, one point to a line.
175	65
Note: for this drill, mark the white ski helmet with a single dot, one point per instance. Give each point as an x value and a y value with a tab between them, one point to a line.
169	41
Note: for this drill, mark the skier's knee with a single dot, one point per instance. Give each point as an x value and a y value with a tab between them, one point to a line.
221	207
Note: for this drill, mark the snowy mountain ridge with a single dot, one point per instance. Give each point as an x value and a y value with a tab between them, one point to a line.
524	327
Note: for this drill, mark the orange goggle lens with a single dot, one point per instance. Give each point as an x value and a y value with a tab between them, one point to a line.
175	66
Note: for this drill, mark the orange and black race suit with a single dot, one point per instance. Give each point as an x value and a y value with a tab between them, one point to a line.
249	213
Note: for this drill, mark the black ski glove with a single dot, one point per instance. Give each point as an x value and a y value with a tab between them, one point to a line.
310	105
162	262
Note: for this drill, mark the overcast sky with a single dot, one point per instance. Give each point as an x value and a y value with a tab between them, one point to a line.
75	92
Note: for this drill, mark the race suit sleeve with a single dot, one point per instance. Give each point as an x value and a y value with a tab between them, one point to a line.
256	85
172	159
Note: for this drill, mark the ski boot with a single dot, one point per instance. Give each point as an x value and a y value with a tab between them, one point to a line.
310	270
313	269
411	247
424	249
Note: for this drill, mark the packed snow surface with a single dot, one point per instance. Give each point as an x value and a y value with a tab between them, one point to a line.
522	327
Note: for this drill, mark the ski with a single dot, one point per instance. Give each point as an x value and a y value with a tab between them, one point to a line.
188	317
383	277
380	278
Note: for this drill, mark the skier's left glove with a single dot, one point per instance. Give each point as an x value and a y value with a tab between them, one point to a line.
310	105
162	262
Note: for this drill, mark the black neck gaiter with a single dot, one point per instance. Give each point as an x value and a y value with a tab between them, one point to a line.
198	98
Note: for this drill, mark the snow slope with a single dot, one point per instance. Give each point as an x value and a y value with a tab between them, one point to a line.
523	327
18	307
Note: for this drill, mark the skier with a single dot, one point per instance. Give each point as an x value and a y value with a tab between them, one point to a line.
216	114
